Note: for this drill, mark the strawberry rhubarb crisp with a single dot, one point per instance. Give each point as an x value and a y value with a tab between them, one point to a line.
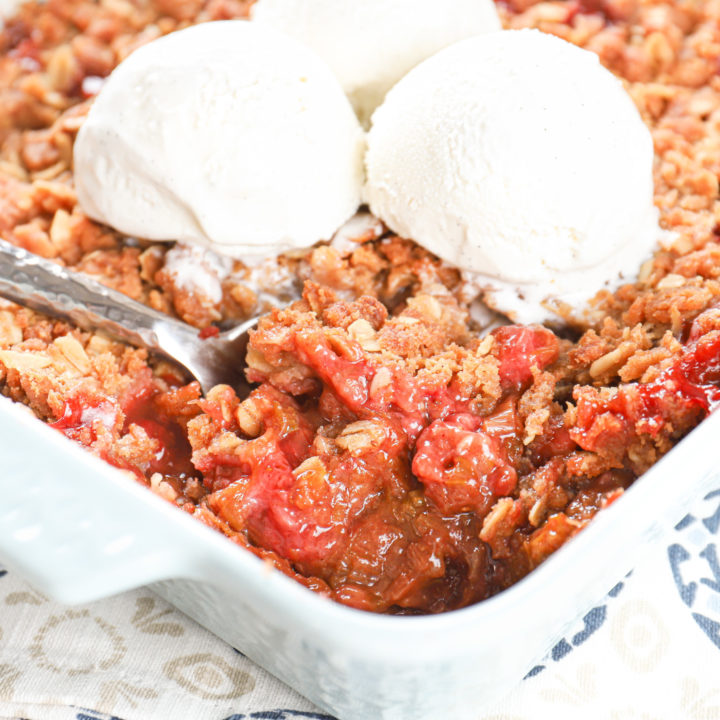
394	455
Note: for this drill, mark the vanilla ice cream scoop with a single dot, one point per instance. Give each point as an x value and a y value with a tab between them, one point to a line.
227	134
518	157
371	44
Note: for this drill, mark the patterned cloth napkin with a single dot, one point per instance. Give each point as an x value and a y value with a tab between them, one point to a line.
650	650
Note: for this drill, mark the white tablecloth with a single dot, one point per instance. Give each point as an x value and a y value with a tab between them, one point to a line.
649	650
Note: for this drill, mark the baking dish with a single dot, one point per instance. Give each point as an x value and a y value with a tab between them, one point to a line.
79	530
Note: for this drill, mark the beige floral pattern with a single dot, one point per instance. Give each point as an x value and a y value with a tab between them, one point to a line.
209	676
148	618
133	657
8	676
50	644
116	688
579	688
640	635
27	597
701	702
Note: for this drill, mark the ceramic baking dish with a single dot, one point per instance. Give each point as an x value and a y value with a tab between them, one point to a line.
79	530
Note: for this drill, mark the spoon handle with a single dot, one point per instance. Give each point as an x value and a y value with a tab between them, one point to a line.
47	287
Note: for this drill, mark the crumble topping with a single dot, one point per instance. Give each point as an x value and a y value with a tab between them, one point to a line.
392	457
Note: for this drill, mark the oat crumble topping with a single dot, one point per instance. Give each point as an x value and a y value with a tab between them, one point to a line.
392	457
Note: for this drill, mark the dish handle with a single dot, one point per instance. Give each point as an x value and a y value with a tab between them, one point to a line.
78	529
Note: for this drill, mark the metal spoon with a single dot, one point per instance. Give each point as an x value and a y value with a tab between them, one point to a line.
43	285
